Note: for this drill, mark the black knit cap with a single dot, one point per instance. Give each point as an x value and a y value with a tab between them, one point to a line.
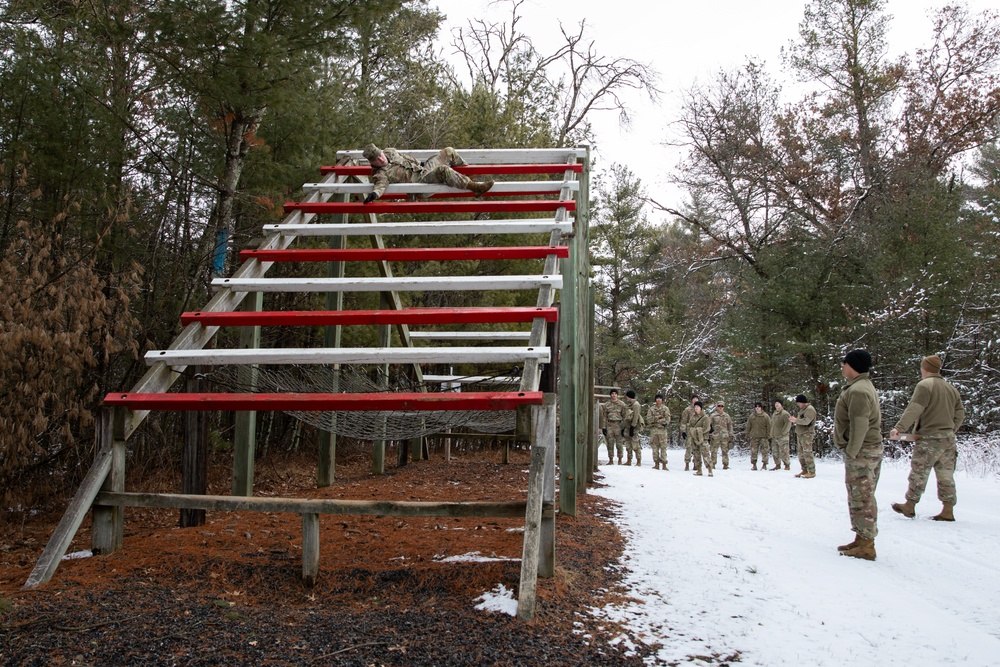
859	360
630	394
699	404
801	398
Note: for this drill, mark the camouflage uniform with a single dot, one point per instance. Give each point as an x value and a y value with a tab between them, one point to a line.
857	432
757	428
612	420
632	423
805	432
936	411
780	426
697	429
658	418
405	169
721	437
688	449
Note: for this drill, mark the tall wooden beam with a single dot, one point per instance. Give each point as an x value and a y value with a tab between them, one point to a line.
245	436
108	522
327	464
194	472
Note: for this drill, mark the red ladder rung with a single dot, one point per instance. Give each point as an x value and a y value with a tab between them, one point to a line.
413	401
409	316
404	254
415	208
472	169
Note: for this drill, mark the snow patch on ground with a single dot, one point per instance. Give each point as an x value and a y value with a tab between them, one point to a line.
78	554
472	557
500	600
743	566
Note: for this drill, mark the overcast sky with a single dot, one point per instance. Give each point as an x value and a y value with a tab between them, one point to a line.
684	42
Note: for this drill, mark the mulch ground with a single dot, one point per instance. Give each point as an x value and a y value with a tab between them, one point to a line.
229	592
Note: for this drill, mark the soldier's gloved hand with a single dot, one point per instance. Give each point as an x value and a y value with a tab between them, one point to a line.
684	436
631	431
370	198
623	432
605	432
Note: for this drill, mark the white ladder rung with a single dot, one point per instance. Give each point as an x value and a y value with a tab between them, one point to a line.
349	355
470	335
405	284
428	189
535	226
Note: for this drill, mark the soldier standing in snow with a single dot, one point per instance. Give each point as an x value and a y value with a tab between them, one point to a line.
722	435
612	419
698	427
658	417
936	412
391	166
757	429
805	432
685	418
780	426
633	421
857	432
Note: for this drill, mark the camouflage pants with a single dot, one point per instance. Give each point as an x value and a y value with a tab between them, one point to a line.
438	169
702	453
722	444
806	458
616	441
658	442
633	446
689	450
861	475
779	450
939	455
762	445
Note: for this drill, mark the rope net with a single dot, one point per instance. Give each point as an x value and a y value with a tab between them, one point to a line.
375	425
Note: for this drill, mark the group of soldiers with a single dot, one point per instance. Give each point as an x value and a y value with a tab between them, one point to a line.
930	420
707	435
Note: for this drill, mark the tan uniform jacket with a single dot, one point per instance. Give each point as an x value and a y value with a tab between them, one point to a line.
634	417
758	425
613	413
780	426
805	421
857	420
722	425
658	416
401	169
698	428
935	408
686	417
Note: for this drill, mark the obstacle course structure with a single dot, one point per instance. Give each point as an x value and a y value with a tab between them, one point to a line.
553	354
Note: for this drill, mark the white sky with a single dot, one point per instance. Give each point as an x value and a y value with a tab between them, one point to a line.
683	41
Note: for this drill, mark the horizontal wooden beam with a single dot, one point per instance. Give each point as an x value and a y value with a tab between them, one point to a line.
399	190
492	157
512	509
470	335
404	284
405	254
546	226
350	355
469	379
425	207
371	402
309	318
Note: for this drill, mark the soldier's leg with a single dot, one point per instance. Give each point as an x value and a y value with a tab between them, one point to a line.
726	444
611	448
861	476
636	448
754	450
446	175
921	463
713	448
706	452
944	471
784	452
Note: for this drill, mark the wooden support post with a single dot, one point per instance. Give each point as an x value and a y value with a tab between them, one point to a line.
108	523
326	470
384	341
245	437
538	553
310	549
568	386
584	318
194	473
594	416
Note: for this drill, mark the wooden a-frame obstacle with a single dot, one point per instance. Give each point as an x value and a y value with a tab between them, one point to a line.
562	335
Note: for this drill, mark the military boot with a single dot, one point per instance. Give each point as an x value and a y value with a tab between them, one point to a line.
664	466
907	509
808	475
753	467
656	466
710	472
619	460
865	550
481	188
787	467
947	513
850	545
611	462
777	466
687	466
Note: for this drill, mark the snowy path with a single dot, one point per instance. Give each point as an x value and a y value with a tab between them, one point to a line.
746	562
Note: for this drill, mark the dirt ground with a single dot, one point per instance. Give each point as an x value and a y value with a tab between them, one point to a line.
230	593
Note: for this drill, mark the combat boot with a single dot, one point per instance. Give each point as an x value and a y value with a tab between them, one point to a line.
725	466
664	466
808	475
611	462
710	472
656	466
754	467
801	474
697	473
864	550
907	509
687	466
481	188
619	460
628	461
786	467
850	545
947	513
777	466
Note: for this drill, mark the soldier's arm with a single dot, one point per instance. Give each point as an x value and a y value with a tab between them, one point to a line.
959	411
914	409
859	416
381	181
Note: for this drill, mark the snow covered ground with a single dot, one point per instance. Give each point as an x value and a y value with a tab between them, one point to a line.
746	562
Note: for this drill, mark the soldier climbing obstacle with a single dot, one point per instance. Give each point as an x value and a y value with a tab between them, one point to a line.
391	166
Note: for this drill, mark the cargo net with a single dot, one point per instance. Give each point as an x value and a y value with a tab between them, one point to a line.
375	425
